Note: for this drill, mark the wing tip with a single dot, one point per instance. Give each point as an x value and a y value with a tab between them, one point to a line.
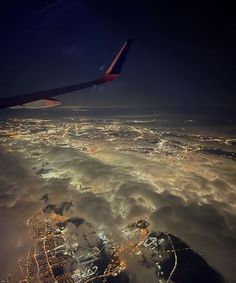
116	66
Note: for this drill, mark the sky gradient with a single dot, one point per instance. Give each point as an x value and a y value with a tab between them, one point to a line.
182	57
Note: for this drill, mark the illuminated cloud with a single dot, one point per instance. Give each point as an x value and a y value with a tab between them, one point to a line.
192	198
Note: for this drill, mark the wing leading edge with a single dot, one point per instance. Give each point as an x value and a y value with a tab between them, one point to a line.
44	98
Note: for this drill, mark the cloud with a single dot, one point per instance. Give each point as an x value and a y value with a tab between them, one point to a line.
139	272
206	228
193	198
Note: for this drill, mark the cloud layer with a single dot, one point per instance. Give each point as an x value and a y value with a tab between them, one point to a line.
193	198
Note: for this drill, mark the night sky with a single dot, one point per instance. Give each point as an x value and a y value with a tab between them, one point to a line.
183	56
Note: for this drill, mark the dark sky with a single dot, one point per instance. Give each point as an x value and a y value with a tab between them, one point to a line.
183	56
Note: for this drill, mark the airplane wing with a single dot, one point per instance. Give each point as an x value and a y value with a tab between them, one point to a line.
43	99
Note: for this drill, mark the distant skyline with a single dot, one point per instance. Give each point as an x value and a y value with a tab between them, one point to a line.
183	56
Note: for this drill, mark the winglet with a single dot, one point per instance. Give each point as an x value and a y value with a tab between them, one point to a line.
115	68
